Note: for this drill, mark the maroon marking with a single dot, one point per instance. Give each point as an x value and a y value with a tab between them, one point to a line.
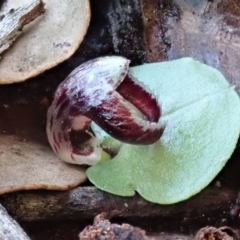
65	124
114	118
62	97
66	137
72	157
55	148
51	123
74	110
140	98
56	141
87	151
60	137
63	106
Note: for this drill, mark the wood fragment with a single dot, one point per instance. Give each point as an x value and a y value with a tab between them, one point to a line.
9	228
87	202
222	233
20	159
102	228
12	23
47	41
155	16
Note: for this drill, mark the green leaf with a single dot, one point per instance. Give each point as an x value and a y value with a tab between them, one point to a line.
201	112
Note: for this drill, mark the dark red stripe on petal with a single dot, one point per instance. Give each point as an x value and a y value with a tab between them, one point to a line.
64	106
72	157
51	123
74	110
55	148
66	137
84	152
140	98
60	137
56	142
65	124
62	97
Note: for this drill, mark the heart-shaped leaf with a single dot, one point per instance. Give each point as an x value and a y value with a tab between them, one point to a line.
201	114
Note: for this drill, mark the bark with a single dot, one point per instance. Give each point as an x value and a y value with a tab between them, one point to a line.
155	17
102	228
87	202
9	228
12	23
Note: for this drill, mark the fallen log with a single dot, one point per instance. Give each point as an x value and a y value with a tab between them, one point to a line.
9	228
87	202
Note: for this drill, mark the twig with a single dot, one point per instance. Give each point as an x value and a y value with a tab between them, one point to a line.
12	23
